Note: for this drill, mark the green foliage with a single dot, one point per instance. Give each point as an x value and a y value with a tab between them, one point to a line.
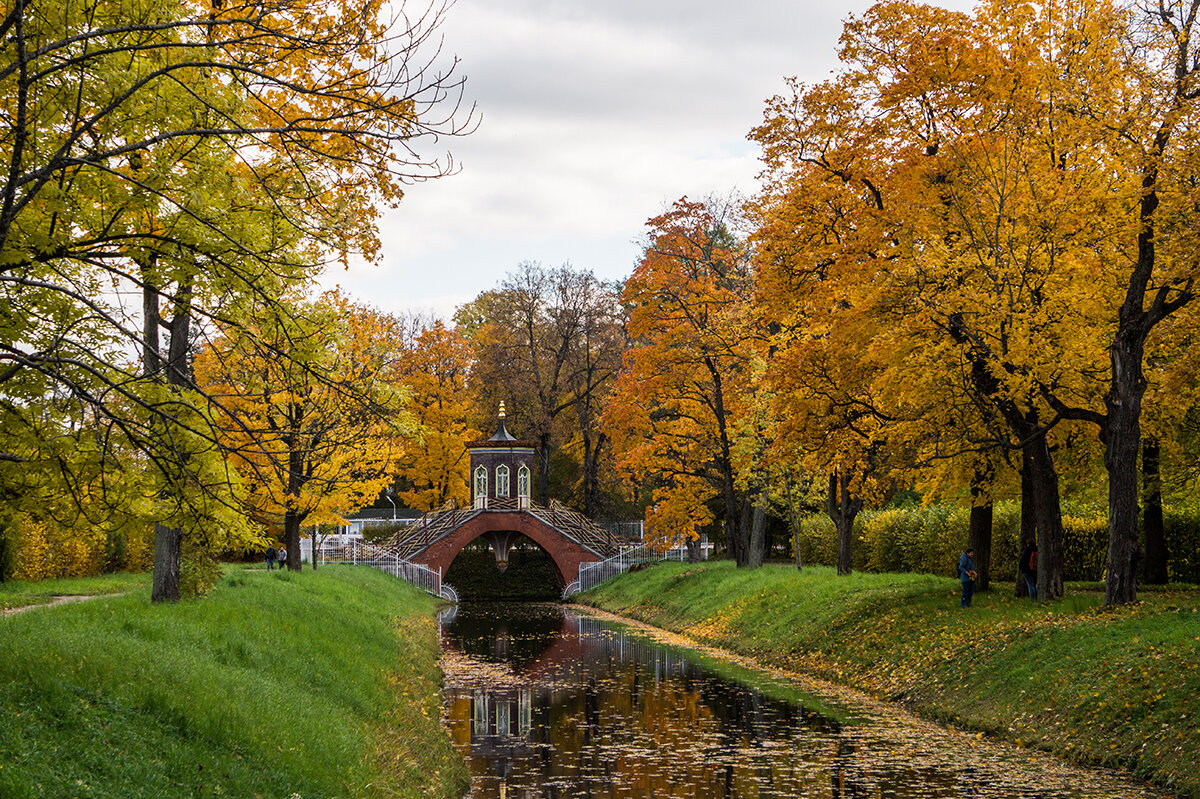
320	684
199	570
1085	547
1182	525
1115	687
928	539
8	545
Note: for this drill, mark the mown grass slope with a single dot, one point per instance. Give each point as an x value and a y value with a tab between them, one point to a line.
1117	687
315	684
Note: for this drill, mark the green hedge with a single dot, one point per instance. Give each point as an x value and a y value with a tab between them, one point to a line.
1183	543
929	539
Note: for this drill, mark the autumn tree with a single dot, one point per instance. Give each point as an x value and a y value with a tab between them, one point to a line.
202	155
1029	177
686	379
306	411
548	341
435	468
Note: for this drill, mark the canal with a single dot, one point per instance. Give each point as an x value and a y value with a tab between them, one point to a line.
544	701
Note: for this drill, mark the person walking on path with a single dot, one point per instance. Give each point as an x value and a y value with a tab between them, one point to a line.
270	557
1028	566
967	575
282	558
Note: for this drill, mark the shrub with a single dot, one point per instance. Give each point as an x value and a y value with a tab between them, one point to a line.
928	539
44	548
1085	547
199	570
1183	543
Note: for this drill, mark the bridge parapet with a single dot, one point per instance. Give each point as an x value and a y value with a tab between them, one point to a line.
592	574
436	525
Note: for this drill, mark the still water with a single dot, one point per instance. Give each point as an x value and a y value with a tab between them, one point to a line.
546	702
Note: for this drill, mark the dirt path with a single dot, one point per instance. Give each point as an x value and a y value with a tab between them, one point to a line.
56	600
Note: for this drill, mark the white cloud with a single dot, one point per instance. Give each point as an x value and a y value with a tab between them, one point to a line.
595	115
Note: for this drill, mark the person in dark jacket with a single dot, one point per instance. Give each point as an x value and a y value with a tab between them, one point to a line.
967	575
270	558
1028	567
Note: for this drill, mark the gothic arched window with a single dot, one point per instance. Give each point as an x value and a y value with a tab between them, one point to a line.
481	487
501	481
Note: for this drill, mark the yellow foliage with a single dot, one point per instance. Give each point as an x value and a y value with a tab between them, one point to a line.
34	556
437	465
46	549
139	549
314	421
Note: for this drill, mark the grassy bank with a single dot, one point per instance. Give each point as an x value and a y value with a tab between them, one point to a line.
19	594
1113	687
276	684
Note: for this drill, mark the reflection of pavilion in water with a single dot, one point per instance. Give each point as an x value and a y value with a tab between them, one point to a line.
502	724
557	706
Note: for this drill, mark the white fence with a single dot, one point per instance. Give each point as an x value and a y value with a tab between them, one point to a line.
592	574
418	574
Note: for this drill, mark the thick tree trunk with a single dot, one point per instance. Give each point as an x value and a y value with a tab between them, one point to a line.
842	509
979	538
1124	551
291	539
168	548
737	528
794	520
758	525
1028	534
1120	429
297	478
734	546
1152	514
979	529
1043	479
1049	519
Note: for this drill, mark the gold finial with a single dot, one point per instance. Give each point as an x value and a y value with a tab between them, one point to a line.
501	409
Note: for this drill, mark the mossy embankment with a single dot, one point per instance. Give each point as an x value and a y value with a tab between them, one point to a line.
1116	687
276	684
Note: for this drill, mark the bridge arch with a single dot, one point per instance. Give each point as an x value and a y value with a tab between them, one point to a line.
565	553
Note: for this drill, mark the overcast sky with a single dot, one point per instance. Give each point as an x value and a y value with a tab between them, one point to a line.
594	117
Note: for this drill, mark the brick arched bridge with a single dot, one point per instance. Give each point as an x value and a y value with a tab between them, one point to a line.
568	537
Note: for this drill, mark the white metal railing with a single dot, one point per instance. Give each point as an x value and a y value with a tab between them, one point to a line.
417	574
592	574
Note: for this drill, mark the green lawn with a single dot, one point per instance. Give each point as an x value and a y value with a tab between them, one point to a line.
319	684
16	593
1117	687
